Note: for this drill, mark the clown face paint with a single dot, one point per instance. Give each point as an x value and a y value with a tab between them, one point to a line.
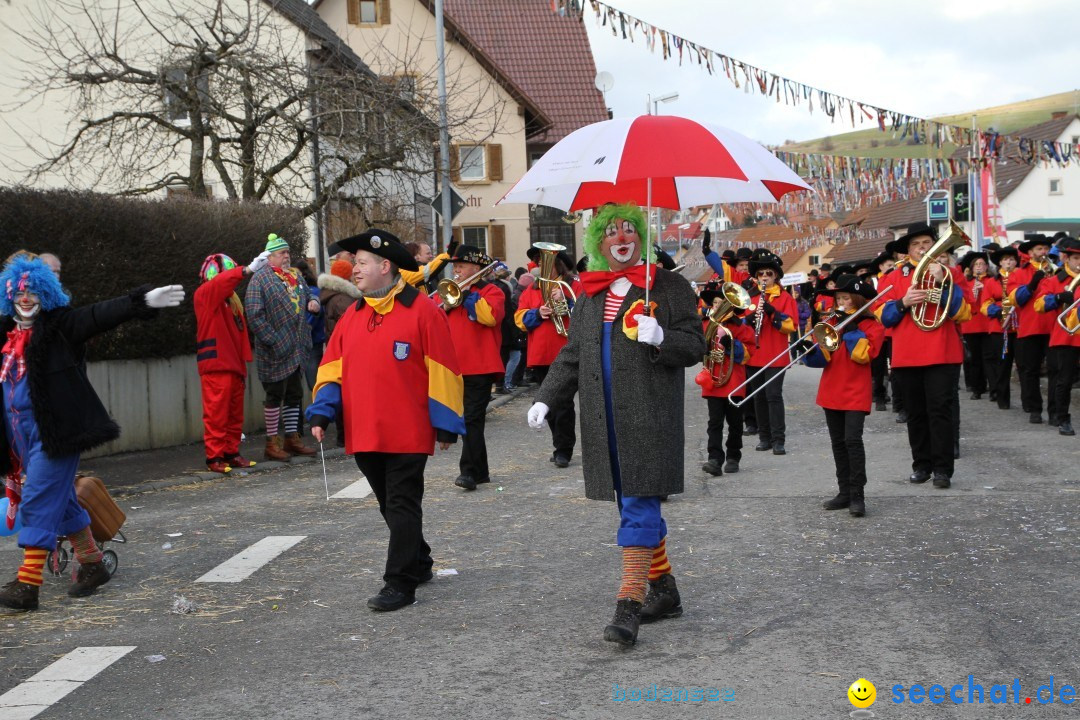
27	307
621	244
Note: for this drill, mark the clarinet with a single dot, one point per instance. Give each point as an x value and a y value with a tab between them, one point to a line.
759	314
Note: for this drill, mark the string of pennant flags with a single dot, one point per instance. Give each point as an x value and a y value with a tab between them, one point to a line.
751	79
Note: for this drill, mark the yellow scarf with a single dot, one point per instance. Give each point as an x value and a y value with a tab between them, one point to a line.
385	304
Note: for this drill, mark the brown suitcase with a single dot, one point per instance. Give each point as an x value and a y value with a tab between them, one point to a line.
106	517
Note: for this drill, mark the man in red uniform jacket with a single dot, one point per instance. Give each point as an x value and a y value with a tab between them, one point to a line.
223	351
390	368
533	316
928	362
774	319
1033	328
1053	298
475	329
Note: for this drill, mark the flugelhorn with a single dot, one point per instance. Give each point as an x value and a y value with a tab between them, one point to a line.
452	294
921	279
549	280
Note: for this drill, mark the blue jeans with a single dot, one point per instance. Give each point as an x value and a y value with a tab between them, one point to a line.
511	367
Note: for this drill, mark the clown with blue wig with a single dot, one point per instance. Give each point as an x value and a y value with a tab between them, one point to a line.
51	414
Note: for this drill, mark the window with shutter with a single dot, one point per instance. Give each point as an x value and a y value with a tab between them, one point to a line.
497	241
494	162
472	165
456	234
455	166
475	236
354	11
384	12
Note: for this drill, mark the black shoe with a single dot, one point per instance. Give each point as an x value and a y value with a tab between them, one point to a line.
880	406
731	466
1066	428
841	501
976	396
466	482
426	576
956	450
663	600
561	461
390	599
1053	420
19	596
483	480
901	417
857	508
1004	406
90	577
919	476
1035	418
942	481
502	391
624	626
763	446
750	430
778	449
712	467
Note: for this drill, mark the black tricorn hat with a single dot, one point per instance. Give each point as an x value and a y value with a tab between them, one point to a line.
918	229
827	267
710	291
743	253
854	284
470	254
991	247
843	270
763	259
532	253
1033	239
969	258
382	243
1069	244
880	260
1008	250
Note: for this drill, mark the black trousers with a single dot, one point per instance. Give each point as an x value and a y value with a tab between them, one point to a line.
398	483
879	372
474	461
560	419
845	432
998	368
929	393
975	376
720	411
287	391
769	405
1030	353
1061	373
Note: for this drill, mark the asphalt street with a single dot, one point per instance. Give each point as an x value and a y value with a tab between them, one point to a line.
786	604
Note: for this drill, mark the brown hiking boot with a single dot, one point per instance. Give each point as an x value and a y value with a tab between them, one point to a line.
91	576
19	596
273	449
296	446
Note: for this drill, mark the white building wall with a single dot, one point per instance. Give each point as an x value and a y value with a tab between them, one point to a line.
1032	199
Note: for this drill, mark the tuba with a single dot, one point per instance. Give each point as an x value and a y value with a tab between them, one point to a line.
930	314
549	280
718	364
452	294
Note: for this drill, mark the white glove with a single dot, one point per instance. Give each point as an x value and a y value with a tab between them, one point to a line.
259	262
537	413
163	297
649	331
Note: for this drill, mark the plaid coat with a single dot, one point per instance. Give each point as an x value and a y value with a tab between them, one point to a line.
276	317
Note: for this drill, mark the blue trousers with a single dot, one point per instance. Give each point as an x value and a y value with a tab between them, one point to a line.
49	507
640	522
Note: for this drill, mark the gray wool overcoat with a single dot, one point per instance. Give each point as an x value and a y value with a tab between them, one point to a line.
647	389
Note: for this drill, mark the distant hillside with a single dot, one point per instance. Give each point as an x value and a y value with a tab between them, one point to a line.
1003	118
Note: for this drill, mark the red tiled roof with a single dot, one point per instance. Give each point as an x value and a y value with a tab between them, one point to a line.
671	232
857	251
545	54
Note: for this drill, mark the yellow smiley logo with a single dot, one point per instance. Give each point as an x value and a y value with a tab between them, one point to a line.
862	693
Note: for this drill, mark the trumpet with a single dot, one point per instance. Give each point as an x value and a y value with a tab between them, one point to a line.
549	281
1046	266
717	363
452	294
825	335
921	279
1061	318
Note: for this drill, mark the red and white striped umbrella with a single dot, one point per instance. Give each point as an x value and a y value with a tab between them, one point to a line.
687	164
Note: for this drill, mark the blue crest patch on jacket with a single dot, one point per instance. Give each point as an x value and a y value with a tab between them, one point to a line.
401	350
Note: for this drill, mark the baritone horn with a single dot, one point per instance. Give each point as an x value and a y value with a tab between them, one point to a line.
921	279
718	361
549	280
452	294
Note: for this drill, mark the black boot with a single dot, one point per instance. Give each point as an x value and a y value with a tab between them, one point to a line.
19	596
841	501
712	466
731	466
1066	428
663	600
91	576
466	482
624	626
763	445
858	504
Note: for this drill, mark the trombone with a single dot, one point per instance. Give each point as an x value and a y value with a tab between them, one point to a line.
452	294
825	335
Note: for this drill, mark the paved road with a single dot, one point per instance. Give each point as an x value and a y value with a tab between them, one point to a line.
786	604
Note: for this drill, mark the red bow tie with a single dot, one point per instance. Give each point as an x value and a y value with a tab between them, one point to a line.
599	281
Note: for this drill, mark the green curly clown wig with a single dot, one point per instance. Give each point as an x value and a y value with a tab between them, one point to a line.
594	234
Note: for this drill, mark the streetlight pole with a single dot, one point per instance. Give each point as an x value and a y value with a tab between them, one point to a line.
444	131
652	105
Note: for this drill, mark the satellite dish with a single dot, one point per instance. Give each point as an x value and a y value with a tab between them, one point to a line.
604	81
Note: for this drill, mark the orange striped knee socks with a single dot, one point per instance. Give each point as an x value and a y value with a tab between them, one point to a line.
635	573
660	565
33	564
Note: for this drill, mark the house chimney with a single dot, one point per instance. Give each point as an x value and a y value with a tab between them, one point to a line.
1058	114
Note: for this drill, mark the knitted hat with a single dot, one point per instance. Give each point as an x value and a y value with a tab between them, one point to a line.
341	269
274	243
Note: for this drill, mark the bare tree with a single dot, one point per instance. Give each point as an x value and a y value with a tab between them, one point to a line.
192	92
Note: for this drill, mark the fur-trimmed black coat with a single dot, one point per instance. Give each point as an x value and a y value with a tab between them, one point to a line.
69	414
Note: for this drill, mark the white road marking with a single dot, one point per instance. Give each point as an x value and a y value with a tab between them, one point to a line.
243	564
356	491
37	694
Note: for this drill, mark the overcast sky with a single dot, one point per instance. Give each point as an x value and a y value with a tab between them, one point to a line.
923	57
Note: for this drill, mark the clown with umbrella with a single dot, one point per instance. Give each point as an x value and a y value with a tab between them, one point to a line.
636	329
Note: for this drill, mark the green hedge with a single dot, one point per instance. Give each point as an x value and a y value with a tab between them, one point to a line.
109	245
